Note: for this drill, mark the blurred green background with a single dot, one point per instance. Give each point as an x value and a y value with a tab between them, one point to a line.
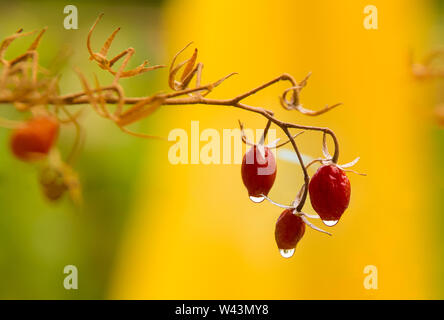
38	238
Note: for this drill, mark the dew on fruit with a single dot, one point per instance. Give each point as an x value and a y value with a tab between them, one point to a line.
257	199
286	253
330	223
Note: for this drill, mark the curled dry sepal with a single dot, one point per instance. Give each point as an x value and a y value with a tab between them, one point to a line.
34	90
432	67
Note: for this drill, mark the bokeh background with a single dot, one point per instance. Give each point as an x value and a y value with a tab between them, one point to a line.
152	230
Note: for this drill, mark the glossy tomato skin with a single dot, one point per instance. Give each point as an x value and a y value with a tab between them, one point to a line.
35	138
258	173
290	228
329	192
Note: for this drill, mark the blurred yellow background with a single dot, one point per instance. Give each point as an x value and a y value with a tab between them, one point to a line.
205	239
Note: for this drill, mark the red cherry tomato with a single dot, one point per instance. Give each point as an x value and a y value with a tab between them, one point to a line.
258	172
35	138
329	193
289	230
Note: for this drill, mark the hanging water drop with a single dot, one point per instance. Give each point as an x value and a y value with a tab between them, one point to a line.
330	223
257	199
286	253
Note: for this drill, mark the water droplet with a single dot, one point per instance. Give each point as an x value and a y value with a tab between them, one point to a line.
257	199
330	223
286	253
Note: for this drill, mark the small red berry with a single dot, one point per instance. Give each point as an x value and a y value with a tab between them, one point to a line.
35	138
258	172
289	230
329	193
